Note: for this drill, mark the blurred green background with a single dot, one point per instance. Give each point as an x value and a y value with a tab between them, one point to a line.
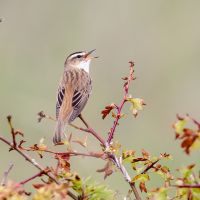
162	37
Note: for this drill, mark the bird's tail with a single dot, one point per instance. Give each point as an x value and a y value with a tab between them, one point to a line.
59	131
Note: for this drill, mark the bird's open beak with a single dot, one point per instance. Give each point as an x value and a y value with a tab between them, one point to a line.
88	55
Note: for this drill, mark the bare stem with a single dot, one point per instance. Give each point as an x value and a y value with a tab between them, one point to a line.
123	170
39	174
5	176
74	153
90	130
12	130
187	186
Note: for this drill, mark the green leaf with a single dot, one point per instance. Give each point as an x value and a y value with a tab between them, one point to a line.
95	191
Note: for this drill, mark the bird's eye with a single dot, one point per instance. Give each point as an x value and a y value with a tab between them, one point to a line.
79	56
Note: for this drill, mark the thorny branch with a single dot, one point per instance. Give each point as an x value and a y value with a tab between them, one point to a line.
119	108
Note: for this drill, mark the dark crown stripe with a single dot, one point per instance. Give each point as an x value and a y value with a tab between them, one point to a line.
78	52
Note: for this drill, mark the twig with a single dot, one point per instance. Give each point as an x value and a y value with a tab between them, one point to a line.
31	178
42	115
187	186
28	158
72	153
119	108
5	176
34	163
12	130
150	166
90	130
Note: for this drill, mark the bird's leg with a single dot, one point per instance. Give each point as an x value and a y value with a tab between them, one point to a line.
74	126
82	119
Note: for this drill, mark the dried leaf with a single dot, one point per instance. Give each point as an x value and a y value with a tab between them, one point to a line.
38	185
145	154
190	138
107	110
107	169
143	187
41	115
63	162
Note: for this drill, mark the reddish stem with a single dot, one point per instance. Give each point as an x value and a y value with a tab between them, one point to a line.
90	130
111	134
74	153
119	108
187	186
150	166
32	177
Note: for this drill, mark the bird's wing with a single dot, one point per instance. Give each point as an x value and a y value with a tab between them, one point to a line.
60	96
79	101
64	102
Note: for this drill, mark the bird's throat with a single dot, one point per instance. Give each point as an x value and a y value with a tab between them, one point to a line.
84	65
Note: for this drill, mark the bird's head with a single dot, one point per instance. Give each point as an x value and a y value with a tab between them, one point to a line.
80	60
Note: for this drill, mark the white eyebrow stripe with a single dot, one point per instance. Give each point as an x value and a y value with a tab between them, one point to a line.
76	54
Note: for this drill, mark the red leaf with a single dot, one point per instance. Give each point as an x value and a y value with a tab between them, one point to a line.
107	110
38	186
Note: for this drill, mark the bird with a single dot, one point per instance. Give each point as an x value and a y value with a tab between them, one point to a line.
73	91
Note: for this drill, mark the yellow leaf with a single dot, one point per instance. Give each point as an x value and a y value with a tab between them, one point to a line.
180	125
196	144
141	178
137	104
